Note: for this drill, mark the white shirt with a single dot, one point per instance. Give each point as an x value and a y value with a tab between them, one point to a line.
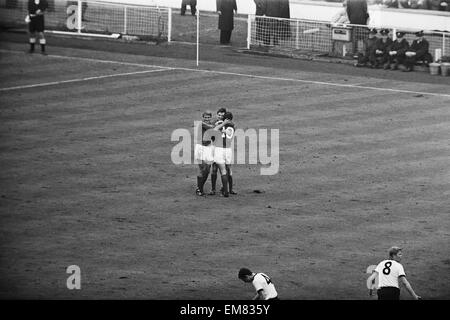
388	273
262	281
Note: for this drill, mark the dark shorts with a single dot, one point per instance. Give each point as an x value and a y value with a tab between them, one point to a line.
388	293
36	24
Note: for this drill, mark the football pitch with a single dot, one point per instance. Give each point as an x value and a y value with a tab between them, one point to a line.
87	177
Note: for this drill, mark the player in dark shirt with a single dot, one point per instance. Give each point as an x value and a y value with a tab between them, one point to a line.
220	113
223	154
203	151
35	20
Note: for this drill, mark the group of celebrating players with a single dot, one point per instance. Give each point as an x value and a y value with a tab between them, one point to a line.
214	152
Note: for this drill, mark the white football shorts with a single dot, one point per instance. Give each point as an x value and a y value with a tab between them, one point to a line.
204	153
223	155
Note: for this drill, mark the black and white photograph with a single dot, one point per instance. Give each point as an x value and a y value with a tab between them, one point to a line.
257	152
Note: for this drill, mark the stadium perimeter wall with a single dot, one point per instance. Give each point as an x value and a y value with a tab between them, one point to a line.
324	11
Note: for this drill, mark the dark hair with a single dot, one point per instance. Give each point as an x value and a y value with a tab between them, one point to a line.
394	251
228	115
222	110
244	272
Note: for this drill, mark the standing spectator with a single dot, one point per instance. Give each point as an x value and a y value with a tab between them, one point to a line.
285	25
226	10
358	15
418	51
397	51
260	22
369	47
387	275
265	290
357	11
380	53
192	4
36	23
278	29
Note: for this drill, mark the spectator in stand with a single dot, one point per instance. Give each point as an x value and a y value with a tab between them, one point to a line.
380	54
397	51
418	51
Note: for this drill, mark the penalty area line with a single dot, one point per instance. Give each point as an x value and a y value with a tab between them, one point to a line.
45	84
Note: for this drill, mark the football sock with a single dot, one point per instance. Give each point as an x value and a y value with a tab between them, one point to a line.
203	181
32	42
199	183
213	181
225	184
42	43
230	183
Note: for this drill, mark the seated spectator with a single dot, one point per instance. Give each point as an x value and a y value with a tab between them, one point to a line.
419	4
369	45
418	51
397	51
390	3
439	5
380	53
445	5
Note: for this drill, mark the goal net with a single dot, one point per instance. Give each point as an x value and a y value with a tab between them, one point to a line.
295	36
99	18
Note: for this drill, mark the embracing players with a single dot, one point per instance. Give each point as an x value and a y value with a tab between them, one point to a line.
204	150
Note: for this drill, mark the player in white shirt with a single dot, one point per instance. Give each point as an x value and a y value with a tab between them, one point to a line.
262	283
387	276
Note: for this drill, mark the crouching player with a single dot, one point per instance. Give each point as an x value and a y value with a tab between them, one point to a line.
223	153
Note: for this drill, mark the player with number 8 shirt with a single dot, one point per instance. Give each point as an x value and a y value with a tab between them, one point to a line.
387	276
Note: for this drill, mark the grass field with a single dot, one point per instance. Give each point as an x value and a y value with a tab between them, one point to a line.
87	177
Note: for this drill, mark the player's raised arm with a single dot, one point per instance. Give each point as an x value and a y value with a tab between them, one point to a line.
219	126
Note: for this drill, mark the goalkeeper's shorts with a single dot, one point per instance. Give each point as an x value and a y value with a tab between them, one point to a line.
223	155
204	153
36	24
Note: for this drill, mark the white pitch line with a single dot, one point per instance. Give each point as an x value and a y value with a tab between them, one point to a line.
317	82
354	86
96	60
78	80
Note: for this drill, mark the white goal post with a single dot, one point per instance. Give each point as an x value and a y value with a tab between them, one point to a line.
95	18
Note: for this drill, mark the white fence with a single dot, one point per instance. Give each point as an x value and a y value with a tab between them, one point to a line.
95	18
317	37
